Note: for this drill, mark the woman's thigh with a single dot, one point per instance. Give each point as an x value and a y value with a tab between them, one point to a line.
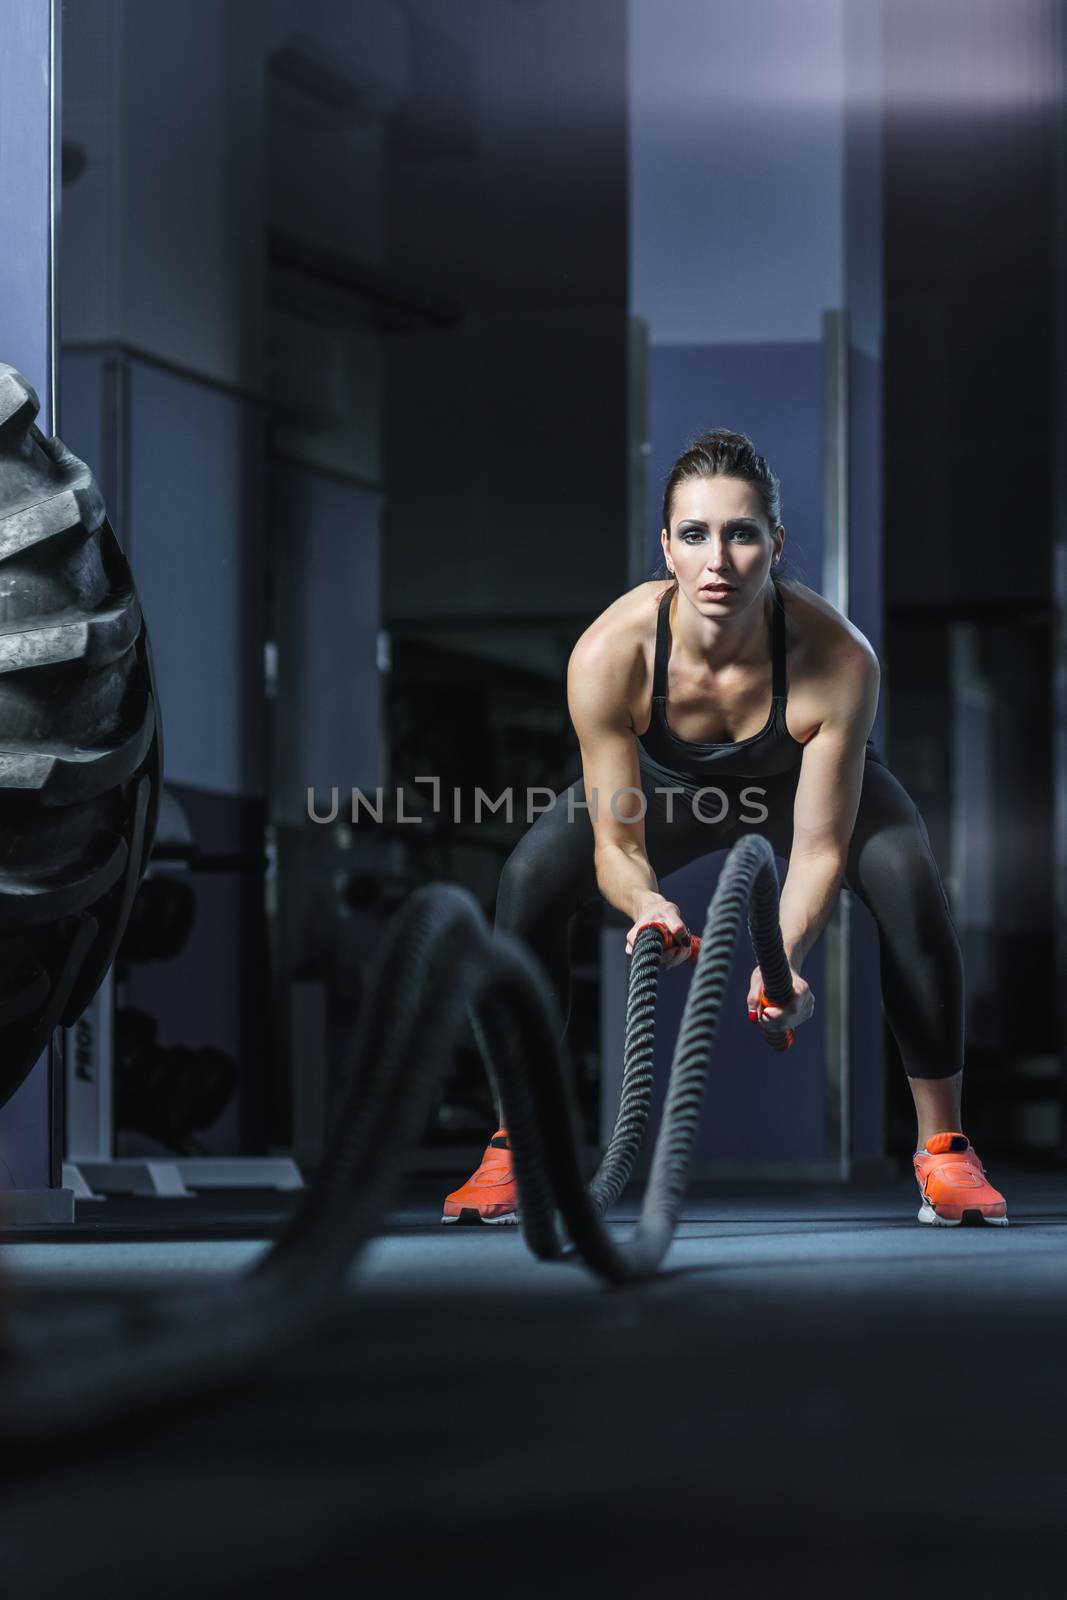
891	866
552	870
680	829
889	854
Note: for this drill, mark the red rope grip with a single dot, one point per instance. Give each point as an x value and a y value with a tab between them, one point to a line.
781	1042
669	940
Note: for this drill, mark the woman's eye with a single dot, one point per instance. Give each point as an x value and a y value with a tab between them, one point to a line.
694	535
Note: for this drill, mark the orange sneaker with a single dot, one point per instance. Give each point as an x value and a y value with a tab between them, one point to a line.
953	1185
491	1195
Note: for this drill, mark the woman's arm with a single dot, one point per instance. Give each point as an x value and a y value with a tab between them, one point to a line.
824	815
598	700
827	800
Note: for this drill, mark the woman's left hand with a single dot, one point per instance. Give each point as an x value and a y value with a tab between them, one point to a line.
774	1019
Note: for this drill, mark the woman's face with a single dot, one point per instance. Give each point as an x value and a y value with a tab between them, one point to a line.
720	537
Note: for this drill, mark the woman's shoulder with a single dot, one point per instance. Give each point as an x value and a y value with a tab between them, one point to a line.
832	667
818	628
618	646
627	618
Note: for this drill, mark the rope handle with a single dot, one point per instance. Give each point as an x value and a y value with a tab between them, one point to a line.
669	941
782	1041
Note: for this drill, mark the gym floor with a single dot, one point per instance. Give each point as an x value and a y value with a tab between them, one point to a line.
815	1391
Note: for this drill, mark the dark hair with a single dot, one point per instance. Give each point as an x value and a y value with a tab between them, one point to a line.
722	454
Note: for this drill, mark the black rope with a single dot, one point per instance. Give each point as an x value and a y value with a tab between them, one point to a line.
439	970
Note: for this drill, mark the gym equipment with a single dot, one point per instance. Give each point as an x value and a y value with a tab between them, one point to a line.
80	739
169	1092
440	969
117	1074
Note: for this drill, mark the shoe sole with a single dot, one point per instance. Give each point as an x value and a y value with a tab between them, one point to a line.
470	1218
970	1218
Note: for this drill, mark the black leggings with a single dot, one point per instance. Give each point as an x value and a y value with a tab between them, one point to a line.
550	875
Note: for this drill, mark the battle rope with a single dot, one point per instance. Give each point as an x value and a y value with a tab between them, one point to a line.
440	969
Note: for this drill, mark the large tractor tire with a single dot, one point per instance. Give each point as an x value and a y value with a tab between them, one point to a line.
80	742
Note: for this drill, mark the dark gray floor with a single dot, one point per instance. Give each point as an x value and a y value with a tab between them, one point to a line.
817	1392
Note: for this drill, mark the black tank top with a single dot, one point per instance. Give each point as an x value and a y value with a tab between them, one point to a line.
766	754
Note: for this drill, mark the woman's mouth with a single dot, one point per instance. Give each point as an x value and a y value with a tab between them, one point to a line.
718	591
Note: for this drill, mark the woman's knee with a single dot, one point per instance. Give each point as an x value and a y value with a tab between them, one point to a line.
895	870
516	889
548	873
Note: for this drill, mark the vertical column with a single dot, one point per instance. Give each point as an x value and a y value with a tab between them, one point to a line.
614	963
861	359
836	568
1059	576
29	204
29	194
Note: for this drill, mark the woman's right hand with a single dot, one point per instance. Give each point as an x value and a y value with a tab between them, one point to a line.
661	910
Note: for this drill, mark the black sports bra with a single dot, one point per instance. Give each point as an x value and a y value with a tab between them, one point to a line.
772	750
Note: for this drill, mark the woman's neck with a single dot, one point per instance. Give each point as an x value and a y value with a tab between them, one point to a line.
736	640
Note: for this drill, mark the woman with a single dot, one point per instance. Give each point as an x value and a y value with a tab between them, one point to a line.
668	693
